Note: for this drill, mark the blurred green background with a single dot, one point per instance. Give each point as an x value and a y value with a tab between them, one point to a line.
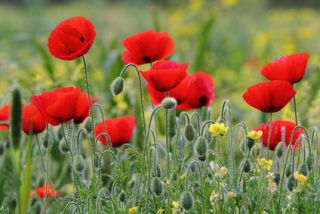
230	39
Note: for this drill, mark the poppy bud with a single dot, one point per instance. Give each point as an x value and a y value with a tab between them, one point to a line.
201	146
79	164
157	171
246	166
309	161
303	169
250	143
189	132
16	120
117	86
156	186
276	178
280	149
169	103
88	125
63	146
291	183
186	200
202	157
122	196
288	170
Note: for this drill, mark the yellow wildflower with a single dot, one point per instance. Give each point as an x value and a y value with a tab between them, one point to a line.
224	171
265	163
133	210
300	178
175	205
218	129
255	135
160	211
231	195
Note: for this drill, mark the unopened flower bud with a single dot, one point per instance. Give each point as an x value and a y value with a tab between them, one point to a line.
117	86
63	146
303	169
201	146
157	171
250	143
291	183
88	126
79	163
156	186
280	149
45	141
186	200
169	103
122	196
276	178
288	170
246	166
309	162
189	132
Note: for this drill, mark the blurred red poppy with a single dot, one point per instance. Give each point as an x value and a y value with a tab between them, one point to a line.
193	92
165	75
269	96
63	104
276	133
4	117
118	129
289	68
32	120
146	47
72	38
45	191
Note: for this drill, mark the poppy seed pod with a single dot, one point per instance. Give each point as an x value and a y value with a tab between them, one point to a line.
63	146
79	164
45	141
117	86
201	146
309	161
187	200
168	103
156	186
16	118
88	126
291	183
280	149
189	132
303	169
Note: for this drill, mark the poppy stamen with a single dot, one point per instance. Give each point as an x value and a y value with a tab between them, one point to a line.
146	59
81	39
203	100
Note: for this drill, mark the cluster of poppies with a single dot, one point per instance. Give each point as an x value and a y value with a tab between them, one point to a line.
272	96
167	77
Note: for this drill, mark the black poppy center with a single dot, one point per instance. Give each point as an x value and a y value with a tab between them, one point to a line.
81	39
203	100
146	59
271	108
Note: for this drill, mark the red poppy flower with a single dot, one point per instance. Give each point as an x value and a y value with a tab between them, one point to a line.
276	133
63	104
146	47
119	130
269	96
32	120
45	191
165	75
289	68
194	91
72	38
4	117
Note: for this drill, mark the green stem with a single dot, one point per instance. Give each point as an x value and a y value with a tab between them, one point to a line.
295	109
269	136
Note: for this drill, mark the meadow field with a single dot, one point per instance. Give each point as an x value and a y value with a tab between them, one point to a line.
197	106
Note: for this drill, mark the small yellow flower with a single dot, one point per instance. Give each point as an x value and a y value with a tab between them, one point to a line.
255	135
218	129
231	195
175	205
300	178
265	163
224	171
160	211
133	210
